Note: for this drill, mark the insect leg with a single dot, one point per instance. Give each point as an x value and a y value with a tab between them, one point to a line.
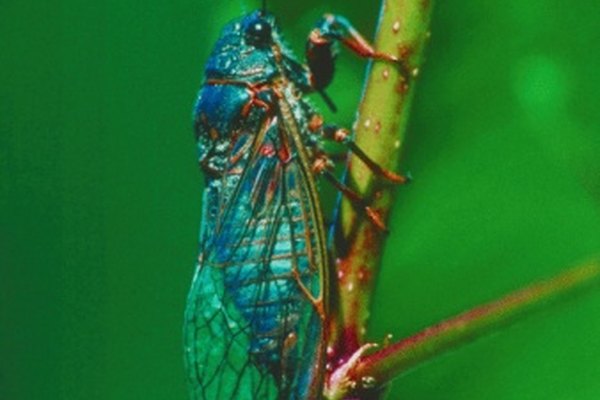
342	135
322	165
320	53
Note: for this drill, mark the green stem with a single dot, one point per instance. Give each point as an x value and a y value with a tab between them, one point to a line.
380	130
388	363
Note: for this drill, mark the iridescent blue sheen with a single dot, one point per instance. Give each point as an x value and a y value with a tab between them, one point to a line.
254	319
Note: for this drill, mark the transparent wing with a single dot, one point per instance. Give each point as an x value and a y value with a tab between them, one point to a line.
253	328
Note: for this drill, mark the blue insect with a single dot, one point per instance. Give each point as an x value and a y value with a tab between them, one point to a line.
257	316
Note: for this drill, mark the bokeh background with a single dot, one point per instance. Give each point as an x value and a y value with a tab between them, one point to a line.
100	192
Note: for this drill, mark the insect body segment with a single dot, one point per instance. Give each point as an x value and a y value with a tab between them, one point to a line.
256	315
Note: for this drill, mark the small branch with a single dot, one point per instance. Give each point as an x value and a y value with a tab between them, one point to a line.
379	130
384	365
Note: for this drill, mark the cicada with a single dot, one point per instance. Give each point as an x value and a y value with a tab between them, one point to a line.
258	309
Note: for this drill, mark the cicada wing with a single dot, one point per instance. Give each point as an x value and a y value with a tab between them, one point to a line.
253	330
300	188
217	340
307	248
217	337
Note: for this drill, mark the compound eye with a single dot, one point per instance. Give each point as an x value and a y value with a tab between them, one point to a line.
258	33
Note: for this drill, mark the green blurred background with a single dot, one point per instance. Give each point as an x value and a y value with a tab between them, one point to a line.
100	192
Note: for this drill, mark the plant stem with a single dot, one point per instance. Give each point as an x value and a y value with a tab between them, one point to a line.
380	129
388	363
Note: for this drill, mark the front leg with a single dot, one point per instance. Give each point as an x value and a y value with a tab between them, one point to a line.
320	50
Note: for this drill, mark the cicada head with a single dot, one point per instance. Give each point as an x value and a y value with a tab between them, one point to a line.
247	49
257	29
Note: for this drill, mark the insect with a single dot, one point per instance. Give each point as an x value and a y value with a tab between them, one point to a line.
256	321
